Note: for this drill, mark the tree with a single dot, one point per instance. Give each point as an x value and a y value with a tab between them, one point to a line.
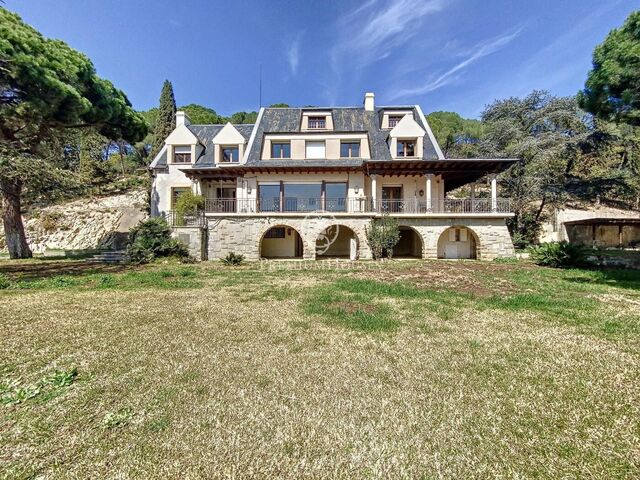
382	235
200	115
545	132
47	87
244	117
457	136
166	118
612	90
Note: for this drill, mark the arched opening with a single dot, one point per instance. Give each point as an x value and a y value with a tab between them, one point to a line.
281	241
409	245
337	241
458	242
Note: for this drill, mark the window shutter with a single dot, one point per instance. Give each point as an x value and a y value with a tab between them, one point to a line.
452	235
463	234
315	150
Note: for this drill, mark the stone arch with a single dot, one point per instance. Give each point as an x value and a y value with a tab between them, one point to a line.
459	242
337	241
411	243
281	241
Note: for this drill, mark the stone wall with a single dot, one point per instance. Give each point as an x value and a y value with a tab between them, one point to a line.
242	235
195	238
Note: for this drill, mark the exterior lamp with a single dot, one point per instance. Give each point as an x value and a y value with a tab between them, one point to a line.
421	193
356	189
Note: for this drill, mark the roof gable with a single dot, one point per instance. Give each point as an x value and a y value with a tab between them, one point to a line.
228	135
181	135
407	127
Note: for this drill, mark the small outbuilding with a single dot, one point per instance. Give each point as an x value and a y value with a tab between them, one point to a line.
604	232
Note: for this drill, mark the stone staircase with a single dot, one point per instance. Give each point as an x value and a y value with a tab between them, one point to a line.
110	256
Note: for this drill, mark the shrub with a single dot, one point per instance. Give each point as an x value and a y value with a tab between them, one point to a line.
4	281
51	221
189	203
558	254
152	239
233	259
382	235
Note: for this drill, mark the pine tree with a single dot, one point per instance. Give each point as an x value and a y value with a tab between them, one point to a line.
166	120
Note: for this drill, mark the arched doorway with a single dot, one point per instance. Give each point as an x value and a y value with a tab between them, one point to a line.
281	241
337	241
458	242
409	245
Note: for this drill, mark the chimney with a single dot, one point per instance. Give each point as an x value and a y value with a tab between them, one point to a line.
369	103
182	118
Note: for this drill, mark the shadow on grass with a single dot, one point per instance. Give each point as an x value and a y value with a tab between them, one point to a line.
34	269
626	278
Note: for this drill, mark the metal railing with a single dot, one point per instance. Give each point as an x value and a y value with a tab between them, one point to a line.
357	205
181	219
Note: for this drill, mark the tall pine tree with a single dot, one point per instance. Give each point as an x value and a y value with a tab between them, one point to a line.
166	121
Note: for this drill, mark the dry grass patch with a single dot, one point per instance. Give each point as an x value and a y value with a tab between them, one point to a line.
226	377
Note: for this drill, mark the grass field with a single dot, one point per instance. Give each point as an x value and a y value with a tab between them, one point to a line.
394	370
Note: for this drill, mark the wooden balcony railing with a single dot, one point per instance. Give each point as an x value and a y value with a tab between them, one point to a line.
357	205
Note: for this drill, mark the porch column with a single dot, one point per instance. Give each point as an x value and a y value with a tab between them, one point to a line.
494	193
429	178
374	192
473	197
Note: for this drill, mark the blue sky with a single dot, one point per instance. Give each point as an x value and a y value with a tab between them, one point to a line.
453	55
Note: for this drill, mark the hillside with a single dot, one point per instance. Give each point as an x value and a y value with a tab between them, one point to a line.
86	223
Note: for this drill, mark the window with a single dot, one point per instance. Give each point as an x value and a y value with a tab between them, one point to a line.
230	154
335	197
269	196
275	232
302	197
280	150
315	150
182	154
317	122
394	120
350	149
406	148
175	194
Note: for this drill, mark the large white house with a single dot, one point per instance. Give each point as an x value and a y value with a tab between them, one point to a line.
305	182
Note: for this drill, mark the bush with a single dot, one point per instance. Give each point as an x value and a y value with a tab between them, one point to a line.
4	281
152	239
382	235
558	254
233	259
189	203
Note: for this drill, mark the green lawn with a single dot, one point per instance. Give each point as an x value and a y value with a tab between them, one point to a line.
377	370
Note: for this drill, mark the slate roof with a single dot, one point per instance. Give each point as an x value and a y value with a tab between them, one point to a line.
345	120
206	134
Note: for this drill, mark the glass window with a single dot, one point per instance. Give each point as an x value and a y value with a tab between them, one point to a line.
269	198
406	148
302	197
275	232
280	150
317	122
335	195
350	149
230	154
182	154
315	150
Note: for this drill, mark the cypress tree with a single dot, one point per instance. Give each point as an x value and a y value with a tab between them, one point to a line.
166	121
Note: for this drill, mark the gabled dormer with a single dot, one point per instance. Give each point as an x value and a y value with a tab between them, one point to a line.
406	139
183	147
229	145
391	118
316	120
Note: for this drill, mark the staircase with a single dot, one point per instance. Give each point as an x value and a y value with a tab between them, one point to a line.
110	256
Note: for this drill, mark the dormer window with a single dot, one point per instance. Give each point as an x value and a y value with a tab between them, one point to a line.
182	154
317	122
349	149
280	150
230	154
406	148
394	120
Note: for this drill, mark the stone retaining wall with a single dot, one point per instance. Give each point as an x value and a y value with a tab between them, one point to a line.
242	235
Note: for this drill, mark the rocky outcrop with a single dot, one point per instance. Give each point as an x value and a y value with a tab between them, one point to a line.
101	222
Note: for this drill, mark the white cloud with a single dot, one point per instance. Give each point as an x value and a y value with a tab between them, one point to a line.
476	53
293	54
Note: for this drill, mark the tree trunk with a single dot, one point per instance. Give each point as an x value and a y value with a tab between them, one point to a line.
12	219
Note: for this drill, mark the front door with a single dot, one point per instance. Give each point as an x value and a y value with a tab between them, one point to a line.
392	199
226	199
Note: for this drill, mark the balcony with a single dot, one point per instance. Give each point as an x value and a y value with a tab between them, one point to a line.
358	205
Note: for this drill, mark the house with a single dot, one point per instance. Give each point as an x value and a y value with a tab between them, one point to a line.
306	182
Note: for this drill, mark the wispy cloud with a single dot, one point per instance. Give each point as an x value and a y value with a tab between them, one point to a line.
474	54
293	53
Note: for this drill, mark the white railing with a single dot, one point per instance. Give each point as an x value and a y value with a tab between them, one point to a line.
357	205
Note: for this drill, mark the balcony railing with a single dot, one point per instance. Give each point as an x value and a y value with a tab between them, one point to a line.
357	205
181	219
